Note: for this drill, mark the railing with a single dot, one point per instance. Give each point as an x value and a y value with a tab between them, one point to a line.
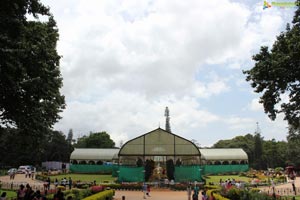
282	191
16	186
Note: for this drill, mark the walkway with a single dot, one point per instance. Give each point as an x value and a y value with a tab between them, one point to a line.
154	195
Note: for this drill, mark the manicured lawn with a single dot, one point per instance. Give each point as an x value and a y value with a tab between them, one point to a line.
9	193
216	179
84	177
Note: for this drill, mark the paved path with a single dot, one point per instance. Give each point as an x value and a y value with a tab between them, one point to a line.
154	195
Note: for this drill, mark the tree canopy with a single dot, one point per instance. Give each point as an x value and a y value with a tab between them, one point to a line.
277	73
95	140
30	77
262	154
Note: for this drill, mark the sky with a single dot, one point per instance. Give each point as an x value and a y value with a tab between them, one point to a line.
123	62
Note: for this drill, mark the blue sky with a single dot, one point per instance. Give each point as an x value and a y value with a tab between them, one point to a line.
125	61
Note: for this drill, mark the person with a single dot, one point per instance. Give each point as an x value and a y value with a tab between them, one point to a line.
70	183
189	191
204	196
195	197
56	183
144	190
60	195
28	193
148	190
293	185
212	196
48	183
21	192
196	192
37	195
3	196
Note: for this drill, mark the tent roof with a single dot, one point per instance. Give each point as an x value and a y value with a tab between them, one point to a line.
159	143
223	154
94	154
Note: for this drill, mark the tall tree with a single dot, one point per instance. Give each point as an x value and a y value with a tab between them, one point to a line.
30	78
293	150
56	147
95	140
277	72
258	151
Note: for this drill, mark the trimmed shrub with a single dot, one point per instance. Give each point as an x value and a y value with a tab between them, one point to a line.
101	195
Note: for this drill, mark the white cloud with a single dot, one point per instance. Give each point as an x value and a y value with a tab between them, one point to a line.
255	105
124	61
239	123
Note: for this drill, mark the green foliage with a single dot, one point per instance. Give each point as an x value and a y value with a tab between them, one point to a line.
293	148
258	151
270	153
77	194
277	72
245	142
52	147
216	179
30	78
101	195
95	140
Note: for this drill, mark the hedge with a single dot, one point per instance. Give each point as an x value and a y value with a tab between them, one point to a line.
101	195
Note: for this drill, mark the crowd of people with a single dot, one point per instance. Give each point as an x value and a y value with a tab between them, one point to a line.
27	193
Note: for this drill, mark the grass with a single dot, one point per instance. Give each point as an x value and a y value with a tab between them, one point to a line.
84	177
9	193
216	179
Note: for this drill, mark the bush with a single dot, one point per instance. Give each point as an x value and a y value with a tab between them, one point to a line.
101	195
61	187
97	188
41	177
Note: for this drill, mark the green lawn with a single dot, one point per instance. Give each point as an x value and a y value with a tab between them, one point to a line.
84	177
9	193
216	179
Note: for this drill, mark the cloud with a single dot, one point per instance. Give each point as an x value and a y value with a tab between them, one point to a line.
127	115
125	61
255	105
152	48
239	123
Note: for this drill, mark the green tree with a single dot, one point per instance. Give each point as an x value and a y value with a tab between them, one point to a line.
30	78
18	149
277	72
95	140
261	153
245	142
293	149
258	151
56	147
274	153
